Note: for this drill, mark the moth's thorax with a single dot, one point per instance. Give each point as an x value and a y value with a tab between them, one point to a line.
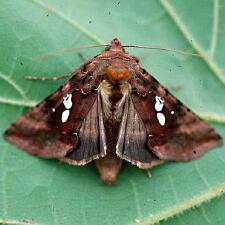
113	98
117	75
117	72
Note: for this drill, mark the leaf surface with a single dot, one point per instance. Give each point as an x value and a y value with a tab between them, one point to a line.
39	191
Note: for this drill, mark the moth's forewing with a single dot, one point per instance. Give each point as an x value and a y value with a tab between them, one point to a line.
51	129
132	139
92	140
174	132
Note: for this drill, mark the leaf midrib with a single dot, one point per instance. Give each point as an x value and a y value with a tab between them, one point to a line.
185	205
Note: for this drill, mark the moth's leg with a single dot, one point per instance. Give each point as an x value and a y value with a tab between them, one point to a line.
148	172
67	75
49	78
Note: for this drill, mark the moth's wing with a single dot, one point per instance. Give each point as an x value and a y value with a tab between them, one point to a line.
132	139
92	138
44	131
184	136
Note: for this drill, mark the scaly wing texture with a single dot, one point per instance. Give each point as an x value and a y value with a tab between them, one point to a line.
132	139
50	129
92	139
174	132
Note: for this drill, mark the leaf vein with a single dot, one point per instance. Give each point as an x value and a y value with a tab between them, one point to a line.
83	209
173	188
16	222
215	27
212	117
13	84
206	216
50	197
69	20
137	204
190	38
201	176
3	189
17	102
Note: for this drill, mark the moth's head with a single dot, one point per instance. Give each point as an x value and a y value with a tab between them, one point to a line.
117	73
115	45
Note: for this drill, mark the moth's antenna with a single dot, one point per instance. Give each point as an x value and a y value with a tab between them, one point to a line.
163	49
60	51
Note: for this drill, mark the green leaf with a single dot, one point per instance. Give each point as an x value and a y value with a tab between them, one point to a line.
38	191
207	214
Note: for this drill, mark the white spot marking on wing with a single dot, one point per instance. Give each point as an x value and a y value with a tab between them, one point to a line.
65	116
53	109
161	118
159	103
67	101
172	112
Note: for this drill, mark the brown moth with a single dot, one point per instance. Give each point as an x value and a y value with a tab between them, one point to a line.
112	109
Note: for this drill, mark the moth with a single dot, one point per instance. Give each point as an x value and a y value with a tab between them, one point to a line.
109	111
